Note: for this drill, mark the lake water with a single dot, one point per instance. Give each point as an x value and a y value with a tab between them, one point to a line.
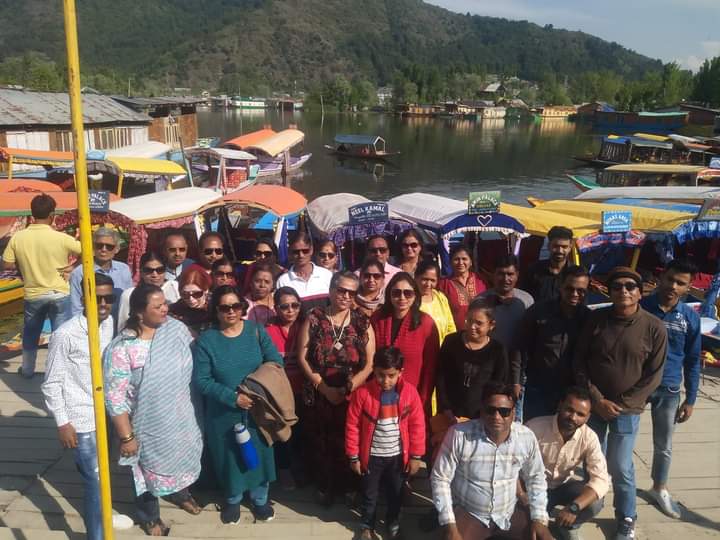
444	157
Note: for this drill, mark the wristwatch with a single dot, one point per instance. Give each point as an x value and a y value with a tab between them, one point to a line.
573	508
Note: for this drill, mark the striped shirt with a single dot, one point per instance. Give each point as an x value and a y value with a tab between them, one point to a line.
474	473
386	437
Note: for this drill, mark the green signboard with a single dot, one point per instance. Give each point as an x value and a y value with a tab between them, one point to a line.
484	202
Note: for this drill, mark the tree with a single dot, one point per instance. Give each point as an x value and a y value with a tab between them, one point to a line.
707	83
364	94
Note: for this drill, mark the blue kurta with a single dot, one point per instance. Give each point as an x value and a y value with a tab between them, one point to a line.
221	364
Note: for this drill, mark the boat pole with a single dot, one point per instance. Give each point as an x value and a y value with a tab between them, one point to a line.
91	312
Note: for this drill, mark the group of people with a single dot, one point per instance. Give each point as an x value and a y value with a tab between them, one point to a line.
388	368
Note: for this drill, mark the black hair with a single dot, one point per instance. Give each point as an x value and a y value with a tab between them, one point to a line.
262	267
223	261
424	266
375	237
323	242
103	280
496	388
387	307
558	232
221	291
481	304
457	248
372	262
415	234
210	234
150	256
268	242
284	291
138	304
506	261
42	206
577	392
574	271
682	266
174	232
388	358
300	237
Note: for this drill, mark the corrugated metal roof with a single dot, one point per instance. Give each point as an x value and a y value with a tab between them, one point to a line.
175	101
26	108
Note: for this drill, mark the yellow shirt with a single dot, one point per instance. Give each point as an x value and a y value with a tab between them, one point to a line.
39	252
439	310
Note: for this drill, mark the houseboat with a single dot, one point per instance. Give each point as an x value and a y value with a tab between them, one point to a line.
644	121
248	102
556	111
360	146
615	150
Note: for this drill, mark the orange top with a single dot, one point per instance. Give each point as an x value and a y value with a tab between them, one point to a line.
248	140
279	200
20	155
18	203
27	184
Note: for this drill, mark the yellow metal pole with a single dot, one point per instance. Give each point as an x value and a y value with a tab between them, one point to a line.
10	165
635	258
81	185
576	255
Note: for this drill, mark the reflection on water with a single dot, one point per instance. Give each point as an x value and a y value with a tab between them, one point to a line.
443	156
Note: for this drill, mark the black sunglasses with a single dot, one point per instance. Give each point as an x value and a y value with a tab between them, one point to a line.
503	411
102	245
399	293
227	308
629	286
345	292
147	270
291	305
326	255
216	251
412	245
218	273
107	298
378	250
303	251
263	254
375	275
194	294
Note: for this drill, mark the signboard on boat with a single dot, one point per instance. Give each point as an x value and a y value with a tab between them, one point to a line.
710	211
483	202
369	212
99	201
616	221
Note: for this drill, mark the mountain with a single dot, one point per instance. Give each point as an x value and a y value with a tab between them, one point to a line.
280	43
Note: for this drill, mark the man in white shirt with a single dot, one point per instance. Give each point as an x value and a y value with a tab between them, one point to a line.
68	397
310	281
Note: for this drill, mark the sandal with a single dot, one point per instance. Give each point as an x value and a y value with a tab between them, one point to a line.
155	528
190	506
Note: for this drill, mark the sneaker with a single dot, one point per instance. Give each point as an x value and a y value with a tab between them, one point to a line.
264	512
121	522
20	372
664	502
230	514
626	529
366	534
394	531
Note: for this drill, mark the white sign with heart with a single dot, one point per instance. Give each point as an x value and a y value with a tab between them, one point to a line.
484	220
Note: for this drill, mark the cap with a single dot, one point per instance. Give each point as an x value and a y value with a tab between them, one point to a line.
624	272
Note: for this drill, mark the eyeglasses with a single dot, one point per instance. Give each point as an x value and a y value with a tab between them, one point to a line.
374	275
378	250
102	245
629	286
399	293
411	245
263	254
226	275
291	305
107	298
504	411
159	270
326	255
177	249
216	251
342	291
193	294
298	252
227	308
578	290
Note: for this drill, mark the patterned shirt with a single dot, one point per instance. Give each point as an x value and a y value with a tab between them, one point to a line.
474	473
68	382
386	438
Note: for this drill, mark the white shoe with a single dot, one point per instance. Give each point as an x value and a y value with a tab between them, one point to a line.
664	502
121	522
626	529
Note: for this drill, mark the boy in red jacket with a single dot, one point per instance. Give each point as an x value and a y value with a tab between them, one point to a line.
384	438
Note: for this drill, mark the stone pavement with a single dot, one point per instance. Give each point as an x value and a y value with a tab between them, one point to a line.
40	490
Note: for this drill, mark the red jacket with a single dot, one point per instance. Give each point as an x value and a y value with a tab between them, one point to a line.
362	416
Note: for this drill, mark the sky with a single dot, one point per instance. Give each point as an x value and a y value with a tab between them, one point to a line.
684	31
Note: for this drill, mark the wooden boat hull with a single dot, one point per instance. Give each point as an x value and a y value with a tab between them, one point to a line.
583	183
375	156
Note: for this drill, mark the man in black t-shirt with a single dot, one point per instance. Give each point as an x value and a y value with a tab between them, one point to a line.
542	279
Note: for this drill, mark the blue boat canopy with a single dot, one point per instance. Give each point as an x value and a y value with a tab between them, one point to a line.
358	139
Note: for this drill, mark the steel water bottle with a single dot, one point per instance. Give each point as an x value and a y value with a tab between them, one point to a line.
247	450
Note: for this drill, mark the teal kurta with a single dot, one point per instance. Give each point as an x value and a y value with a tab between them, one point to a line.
221	364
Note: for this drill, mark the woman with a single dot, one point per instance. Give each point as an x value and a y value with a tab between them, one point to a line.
400	323
372	286
326	255
335	350
433	302
261	307
224	356
192	308
463	285
152	272
411	247
222	273
266	252
148	374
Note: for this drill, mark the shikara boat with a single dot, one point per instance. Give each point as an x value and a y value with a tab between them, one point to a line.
360	146
649	175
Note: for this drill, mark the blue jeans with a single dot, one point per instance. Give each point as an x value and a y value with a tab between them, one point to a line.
56	307
664	402
258	495
617	438
86	462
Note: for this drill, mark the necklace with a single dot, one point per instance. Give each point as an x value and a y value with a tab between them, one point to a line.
337	344
476	346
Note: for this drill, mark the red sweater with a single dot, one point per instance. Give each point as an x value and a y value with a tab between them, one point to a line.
419	347
362	415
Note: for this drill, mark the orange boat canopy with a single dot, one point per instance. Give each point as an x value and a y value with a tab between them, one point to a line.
27	184
279	200
35	157
18	203
240	143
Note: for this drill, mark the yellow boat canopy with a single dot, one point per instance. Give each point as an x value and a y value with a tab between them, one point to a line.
538	221
146	167
658	168
278	143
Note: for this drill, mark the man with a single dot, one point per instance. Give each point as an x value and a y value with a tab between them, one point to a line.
476	472
378	249
106	244
683	357
310	281
542	280
211	248
567	444
68	396
619	357
175	249
546	343
40	254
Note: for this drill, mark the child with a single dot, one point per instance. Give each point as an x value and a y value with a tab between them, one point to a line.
384	438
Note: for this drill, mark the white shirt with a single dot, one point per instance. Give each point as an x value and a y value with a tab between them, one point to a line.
316	287
170	289
68	383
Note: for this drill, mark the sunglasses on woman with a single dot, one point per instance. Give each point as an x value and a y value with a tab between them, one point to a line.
342	291
502	411
374	275
216	251
263	254
410	245
326	255
227	308
193	294
291	305
227	275
147	270
399	293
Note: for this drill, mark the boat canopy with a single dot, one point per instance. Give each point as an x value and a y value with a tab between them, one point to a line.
137	167
243	141
18	203
278	143
220	153
658	168
41	158
280	200
639	142
147	149
167	205
660	205
671	193
27	184
362	140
